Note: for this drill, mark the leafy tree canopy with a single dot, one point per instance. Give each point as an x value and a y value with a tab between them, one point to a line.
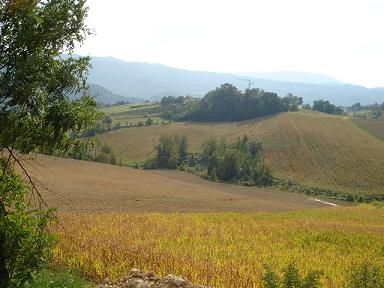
326	107
35	78
227	103
36	115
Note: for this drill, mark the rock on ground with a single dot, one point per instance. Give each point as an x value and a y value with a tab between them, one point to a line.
138	279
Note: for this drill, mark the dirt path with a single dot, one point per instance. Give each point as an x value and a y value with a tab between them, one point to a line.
326	203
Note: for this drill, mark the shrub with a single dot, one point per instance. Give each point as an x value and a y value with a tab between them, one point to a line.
262	174
57	279
291	278
112	159
149	121
106	149
171	151
366	276
102	157
22	230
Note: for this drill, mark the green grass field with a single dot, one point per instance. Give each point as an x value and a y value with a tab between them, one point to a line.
313	149
132	114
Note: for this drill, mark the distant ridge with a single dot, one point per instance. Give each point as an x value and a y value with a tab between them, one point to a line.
153	81
294	76
104	96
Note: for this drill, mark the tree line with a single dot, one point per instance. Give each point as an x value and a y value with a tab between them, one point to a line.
227	103
240	162
326	107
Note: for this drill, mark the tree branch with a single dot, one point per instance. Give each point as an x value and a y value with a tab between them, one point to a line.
41	200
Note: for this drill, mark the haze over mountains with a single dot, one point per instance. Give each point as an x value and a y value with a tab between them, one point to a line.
293	76
153	81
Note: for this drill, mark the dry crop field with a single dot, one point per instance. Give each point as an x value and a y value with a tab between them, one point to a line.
223	249
375	127
89	187
112	219
314	149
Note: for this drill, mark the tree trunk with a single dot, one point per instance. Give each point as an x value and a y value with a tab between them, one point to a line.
4	276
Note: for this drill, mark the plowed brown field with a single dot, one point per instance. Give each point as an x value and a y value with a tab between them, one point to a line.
89	187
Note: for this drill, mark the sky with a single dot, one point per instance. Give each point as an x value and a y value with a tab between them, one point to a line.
340	38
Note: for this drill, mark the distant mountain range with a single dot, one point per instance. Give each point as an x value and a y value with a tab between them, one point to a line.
135	80
293	76
104	96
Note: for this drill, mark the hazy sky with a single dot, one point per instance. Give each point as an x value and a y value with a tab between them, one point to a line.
340	38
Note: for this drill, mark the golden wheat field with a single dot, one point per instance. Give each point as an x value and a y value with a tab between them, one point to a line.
314	149
223	250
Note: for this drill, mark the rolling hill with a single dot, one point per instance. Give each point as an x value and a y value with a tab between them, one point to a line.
103	188
153	81
313	149
104	96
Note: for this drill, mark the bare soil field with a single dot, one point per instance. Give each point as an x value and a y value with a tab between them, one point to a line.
75	186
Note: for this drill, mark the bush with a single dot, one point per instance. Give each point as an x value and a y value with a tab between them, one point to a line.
291	278
171	151
326	107
103	158
106	149
57	279
262	175
112	159
239	162
149	121
22	230
366	276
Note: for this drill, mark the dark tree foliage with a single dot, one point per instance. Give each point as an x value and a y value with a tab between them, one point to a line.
227	103
171	151
149	121
292	103
239	162
36	115
326	107
174	108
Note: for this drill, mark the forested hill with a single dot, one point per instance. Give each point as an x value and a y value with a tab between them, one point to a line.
154	81
227	103
105	96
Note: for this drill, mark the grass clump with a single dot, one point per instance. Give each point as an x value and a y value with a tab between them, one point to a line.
57	279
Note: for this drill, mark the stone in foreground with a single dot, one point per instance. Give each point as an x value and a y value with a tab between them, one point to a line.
138	279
